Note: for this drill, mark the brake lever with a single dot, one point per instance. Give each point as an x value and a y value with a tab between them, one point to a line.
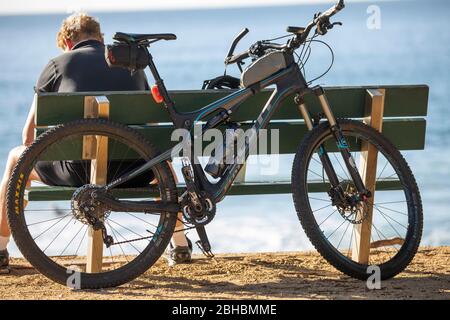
334	24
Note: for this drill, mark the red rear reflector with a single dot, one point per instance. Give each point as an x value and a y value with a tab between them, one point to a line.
111	58
156	94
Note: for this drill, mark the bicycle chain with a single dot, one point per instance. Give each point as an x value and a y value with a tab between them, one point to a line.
144	238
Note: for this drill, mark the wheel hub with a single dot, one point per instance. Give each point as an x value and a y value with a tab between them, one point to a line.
352	209
86	208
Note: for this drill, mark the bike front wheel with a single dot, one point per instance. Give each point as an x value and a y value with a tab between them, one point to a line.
391	218
51	225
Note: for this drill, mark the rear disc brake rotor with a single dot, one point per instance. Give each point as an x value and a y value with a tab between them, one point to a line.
85	208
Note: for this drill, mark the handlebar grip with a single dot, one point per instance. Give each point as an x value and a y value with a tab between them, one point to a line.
236	40
237	58
333	10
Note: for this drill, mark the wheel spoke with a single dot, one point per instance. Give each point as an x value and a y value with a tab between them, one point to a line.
81	241
386	215
327	217
59	233
340	165
117	240
318	199
128	229
70	242
46	230
322	208
345	232
151	224
336	229
405	214
48	220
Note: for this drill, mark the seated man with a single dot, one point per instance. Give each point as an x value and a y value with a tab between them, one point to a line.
81	68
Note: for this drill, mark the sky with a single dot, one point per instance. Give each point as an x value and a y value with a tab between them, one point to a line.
15	7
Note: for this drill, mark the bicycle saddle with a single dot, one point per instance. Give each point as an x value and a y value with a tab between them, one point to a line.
135	37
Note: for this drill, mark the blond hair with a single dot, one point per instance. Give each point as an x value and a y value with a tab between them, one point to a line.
78	27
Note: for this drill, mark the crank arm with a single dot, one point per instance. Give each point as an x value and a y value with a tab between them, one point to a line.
115	204
203	244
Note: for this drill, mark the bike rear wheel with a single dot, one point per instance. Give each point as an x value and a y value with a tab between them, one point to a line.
397	217
52	233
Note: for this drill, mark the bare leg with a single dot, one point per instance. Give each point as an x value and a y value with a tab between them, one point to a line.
13	157
178	237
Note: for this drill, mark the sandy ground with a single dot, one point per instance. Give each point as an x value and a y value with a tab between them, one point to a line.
301	275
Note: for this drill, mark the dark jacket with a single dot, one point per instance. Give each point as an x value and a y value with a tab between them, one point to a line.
84	69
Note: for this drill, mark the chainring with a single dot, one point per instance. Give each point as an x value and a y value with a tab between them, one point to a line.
199	217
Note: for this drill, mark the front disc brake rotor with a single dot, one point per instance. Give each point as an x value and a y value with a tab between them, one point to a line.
354	209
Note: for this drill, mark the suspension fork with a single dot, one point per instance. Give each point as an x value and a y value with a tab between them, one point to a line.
341	143
323	155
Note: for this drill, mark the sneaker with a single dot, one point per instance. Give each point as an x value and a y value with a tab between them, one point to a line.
179	254
4	259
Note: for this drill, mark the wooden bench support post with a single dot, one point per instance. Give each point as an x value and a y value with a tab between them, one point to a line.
95	148
240	178
368	170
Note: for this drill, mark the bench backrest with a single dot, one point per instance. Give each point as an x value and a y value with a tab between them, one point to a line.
404	122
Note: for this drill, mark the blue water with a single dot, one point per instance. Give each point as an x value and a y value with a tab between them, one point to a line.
412	47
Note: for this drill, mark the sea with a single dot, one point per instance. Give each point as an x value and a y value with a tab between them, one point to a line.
407	43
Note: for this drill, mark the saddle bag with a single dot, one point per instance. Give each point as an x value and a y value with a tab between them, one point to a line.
129	56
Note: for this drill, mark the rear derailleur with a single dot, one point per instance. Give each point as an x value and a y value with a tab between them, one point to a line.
88	210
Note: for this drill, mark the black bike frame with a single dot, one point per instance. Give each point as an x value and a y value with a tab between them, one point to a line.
287	81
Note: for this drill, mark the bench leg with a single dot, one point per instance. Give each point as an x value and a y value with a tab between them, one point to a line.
368	170
96	149
240	178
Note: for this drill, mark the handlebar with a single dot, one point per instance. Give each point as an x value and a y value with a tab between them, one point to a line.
234	44
256	49
237	58
321	21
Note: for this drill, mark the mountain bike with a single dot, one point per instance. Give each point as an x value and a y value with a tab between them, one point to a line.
329	192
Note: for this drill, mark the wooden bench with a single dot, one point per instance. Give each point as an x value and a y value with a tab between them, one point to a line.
399	111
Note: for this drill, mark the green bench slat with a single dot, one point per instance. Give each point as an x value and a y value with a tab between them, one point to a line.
246	188
406	134
139	107
65	193
284	187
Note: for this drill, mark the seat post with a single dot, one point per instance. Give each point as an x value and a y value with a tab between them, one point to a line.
160	83
168	103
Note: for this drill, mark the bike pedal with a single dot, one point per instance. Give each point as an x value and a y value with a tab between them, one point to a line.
206	253
203	244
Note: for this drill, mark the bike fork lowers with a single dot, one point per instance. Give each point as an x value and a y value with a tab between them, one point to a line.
341	143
